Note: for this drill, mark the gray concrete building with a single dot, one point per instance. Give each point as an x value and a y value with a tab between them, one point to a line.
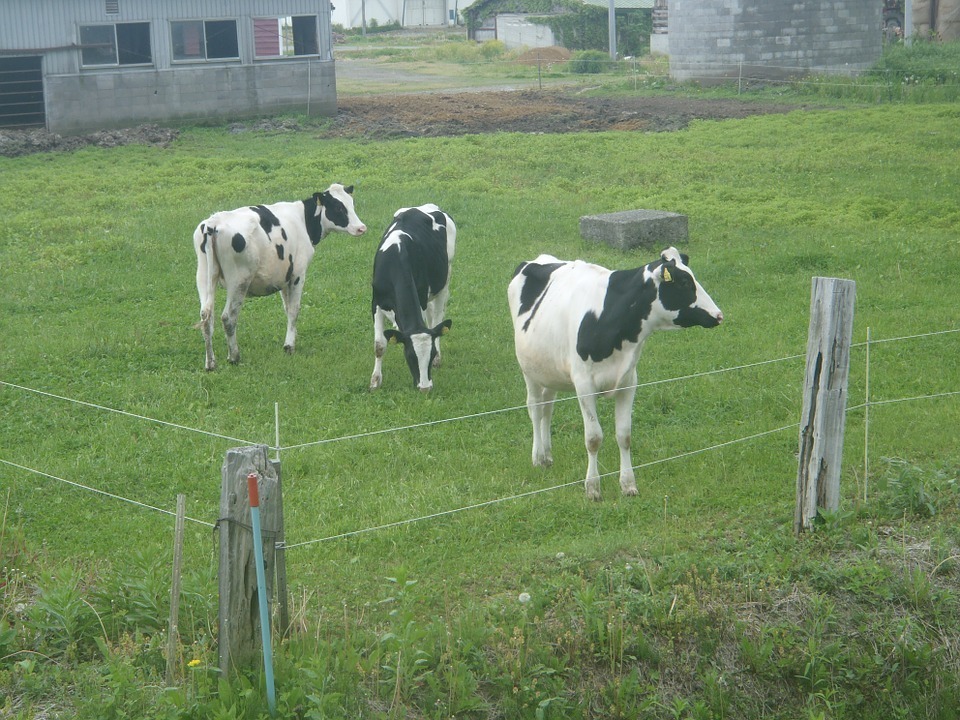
771	39
78	65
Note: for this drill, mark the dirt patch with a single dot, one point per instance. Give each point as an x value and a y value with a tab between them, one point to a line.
379	117
14	143
544	56
438	114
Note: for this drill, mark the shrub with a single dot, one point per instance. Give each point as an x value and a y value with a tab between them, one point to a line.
589	62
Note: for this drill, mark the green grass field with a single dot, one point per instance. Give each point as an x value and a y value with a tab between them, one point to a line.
693	600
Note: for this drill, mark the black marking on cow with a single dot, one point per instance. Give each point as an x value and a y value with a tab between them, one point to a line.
238	242
268	221
695	317
203	245
283	233
296	280
626	305
680	292
536	279
290	270
279	251
335	210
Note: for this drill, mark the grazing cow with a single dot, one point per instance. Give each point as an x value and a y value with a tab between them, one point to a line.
411	285
262	249
580	326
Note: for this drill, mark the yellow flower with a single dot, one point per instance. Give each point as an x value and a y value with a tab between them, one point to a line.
194	662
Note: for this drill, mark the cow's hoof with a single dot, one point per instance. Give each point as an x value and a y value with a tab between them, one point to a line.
211	367
288	349
375	382
234	360
595	496
436	361
543	462
630	491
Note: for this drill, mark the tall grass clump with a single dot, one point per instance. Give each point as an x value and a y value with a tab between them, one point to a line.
589	62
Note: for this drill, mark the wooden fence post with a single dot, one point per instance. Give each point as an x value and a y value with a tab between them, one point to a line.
824	398
174	625
239	621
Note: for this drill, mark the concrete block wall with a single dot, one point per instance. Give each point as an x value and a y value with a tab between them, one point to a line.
95	101
772	38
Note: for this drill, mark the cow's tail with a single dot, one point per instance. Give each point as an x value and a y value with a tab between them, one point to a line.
208	266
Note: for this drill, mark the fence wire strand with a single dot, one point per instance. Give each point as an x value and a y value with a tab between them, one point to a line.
538	491
474	506
125	413
100	492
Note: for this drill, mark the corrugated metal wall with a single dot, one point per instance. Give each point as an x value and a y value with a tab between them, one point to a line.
77	99
48	24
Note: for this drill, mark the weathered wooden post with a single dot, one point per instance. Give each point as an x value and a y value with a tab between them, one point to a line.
239	623
174	625
824	398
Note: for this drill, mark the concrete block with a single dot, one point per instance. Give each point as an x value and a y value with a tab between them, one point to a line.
651	229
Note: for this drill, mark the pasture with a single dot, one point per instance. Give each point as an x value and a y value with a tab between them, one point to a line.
691	600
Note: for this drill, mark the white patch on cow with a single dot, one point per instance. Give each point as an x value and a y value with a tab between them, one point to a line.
393	240
423	347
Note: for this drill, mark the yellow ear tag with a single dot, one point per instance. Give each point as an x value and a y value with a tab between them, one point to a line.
445	330
666	275
392	340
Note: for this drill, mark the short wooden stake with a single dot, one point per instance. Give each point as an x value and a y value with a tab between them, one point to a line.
173	630
239	622
824	399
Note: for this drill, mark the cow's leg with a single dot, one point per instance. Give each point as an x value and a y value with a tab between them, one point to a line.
436	309
540	408
593	437
207	297
231	313
379	347
291	305
624	420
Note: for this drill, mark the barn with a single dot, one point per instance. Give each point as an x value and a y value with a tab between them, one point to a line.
78	65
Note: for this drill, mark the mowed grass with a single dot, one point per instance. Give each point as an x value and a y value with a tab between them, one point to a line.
99	306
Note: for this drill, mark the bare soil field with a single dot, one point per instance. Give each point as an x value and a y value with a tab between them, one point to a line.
435	114
533	111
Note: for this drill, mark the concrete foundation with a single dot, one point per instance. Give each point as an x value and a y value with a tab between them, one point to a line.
650	229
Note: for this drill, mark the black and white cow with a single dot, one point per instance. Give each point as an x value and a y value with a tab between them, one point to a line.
411	285
581	327
263	249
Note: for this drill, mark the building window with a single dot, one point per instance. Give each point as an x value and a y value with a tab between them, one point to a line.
285	36
205	40
119	44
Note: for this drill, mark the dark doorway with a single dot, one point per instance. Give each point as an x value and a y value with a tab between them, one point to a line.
21	92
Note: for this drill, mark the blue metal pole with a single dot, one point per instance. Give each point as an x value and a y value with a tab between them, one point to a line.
254	494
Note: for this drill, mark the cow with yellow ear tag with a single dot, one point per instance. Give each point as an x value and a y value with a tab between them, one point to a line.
581	327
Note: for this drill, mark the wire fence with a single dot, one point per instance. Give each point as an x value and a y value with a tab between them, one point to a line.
869	402
879	83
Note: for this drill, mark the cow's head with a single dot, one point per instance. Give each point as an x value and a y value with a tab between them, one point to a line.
680	293
335	210
420	350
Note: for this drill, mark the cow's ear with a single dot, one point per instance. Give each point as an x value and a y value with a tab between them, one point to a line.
349	189
442	329
685	259
393	337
